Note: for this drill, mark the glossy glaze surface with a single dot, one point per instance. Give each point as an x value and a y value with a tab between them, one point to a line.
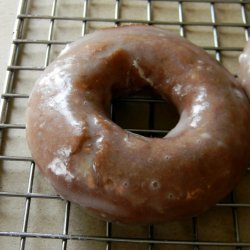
244	61
125	177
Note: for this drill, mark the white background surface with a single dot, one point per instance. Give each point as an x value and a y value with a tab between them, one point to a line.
8	10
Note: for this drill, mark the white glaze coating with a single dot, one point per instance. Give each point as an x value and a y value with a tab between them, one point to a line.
199	106
178	89
59	164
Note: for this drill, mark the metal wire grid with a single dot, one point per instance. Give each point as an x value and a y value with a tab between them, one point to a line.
117	20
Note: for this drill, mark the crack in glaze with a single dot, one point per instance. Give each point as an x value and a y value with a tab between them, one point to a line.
141	72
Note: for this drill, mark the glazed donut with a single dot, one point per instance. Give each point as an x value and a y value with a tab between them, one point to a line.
245	69
125	177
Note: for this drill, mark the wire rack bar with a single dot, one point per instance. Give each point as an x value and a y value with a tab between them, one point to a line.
124	240
51	28
244	19
117	12
15	158
149	11
12	60
235	222
124	20
150	236
30	195
66	224
16	67
108	235
84	14
27	41
8	95
59	42
16	126
27	206
13	67
215	31
51	196
181	19
195	231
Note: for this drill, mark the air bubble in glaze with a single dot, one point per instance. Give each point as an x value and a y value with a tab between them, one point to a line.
155	185
125	184
166	157
170	196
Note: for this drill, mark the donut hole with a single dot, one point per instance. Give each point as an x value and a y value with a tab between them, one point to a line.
145	113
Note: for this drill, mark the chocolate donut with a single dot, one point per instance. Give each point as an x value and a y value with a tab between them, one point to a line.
122	176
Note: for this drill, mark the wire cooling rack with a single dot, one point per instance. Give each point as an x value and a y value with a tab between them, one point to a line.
32	216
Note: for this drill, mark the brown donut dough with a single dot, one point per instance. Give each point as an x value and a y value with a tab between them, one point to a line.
125	177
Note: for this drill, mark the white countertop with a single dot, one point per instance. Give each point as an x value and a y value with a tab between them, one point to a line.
8	10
